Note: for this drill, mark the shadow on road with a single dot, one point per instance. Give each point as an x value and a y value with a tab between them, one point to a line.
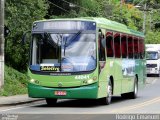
82	103
153	75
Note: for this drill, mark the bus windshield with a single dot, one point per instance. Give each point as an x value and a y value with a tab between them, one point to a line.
71	52
152	55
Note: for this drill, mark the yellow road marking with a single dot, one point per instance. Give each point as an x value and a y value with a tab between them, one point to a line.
127	108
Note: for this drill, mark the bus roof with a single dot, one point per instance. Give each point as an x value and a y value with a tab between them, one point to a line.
104	23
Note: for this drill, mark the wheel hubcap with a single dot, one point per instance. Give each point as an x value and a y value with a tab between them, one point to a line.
135	89
109	92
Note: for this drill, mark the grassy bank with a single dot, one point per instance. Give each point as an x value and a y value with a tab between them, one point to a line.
14	82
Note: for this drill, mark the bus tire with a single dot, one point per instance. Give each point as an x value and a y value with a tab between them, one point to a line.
51	102
134	94
107	100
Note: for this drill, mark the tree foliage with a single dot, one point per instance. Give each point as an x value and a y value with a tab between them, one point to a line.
19	17
153	37
128	15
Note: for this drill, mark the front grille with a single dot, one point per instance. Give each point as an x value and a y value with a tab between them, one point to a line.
151	65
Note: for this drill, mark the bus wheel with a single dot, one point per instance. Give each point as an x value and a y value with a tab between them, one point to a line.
51	102
107	100
133	94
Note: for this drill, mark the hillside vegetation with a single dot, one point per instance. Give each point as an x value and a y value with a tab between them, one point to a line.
15	82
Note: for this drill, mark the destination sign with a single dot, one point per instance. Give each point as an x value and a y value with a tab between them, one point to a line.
50	68
64	25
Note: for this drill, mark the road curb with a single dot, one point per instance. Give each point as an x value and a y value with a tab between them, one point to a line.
19	103
17	100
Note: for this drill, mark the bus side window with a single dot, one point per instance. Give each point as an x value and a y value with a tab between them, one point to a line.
109	44
141	48
101	48
117	48
136	51
124	46
130	47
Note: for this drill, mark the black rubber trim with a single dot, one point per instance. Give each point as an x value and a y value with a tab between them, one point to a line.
61	73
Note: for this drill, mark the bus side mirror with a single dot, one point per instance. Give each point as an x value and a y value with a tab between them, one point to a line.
102	39
24	37
6	31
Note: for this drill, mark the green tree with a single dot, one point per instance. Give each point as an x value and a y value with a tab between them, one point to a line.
79	8
19	16
153	37
128	15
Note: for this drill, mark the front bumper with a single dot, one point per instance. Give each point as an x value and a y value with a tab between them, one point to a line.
83	92
152	71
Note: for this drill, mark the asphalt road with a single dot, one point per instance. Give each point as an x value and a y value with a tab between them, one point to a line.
148	101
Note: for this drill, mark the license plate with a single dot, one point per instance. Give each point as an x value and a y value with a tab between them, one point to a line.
62	93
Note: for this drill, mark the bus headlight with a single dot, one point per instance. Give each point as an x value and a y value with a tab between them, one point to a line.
90	81
34	81
94	78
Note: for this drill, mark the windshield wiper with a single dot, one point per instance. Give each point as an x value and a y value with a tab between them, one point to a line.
65	47
57	47
75	36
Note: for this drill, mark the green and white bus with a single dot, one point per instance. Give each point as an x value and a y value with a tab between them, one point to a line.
85	58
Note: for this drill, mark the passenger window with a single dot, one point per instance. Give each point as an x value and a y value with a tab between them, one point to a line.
101	47
124	46
141	48
109	44
130	47
117	48
136	51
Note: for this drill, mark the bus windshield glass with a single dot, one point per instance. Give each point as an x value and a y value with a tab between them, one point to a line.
62	52
152	55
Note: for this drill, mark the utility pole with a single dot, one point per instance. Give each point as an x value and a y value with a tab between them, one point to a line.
1	43
144	18
150	19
